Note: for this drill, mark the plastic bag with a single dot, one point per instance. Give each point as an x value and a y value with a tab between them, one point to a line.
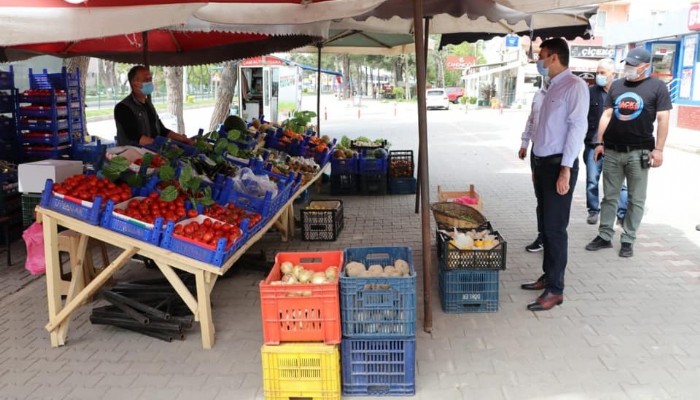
254	185
34	239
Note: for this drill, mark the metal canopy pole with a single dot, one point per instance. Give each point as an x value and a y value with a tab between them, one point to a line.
318	90
144	37
427	36
423	162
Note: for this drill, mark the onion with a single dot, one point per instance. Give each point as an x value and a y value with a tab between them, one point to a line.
331	273
305	276
286	267
318	277
296	270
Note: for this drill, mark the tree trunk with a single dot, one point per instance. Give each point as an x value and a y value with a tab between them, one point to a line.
405	78
347	79
81	63
224	94
173	85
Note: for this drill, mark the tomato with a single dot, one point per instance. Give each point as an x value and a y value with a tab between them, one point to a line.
192	213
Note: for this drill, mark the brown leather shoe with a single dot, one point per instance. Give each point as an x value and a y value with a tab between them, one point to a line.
546	301
536	285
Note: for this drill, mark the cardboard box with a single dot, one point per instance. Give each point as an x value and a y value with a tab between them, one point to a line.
32	176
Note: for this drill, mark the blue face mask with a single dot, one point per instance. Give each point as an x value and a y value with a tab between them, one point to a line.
541	69
147	88
601	80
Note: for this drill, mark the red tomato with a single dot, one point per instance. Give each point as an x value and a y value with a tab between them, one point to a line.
192	213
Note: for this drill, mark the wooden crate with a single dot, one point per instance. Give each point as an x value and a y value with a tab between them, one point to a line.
450	196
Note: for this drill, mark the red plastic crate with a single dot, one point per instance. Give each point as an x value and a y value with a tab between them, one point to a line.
301	312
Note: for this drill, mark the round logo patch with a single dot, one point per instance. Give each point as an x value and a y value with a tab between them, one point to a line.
628	106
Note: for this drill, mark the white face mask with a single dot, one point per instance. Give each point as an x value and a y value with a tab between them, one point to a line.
630	72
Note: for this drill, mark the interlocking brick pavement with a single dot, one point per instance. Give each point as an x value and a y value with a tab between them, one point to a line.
628	328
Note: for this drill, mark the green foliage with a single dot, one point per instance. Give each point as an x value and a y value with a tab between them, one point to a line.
166	173
345	142
113	168
463	100
169	193
299	120
399	92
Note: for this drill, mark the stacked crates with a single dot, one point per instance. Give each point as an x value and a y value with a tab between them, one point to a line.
301	331
50	115
469	278
8	117
322	220
378	319
344	176
401	169
372	173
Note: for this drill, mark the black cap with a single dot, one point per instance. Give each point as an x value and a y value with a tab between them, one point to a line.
638	56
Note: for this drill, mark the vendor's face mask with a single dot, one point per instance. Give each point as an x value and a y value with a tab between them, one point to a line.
147	88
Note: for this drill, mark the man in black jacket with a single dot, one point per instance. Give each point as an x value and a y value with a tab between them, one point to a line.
605	74
136	118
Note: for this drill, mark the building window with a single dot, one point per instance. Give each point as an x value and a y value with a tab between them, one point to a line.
599	22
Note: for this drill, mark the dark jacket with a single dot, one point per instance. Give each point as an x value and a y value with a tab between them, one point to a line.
135	119
595	111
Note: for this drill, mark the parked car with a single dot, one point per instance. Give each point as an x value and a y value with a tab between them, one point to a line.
437	98
454	93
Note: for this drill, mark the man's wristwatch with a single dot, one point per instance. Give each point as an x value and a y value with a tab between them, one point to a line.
596	144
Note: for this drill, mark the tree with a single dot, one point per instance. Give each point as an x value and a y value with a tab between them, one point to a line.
173	82
224	93
81	63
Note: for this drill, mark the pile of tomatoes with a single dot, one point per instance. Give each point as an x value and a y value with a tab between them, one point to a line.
147	209
87	187
157	162
208	232
232	214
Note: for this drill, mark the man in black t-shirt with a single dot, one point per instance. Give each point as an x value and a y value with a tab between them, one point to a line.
626	138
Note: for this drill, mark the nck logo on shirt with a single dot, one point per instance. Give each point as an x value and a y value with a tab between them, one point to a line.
628	106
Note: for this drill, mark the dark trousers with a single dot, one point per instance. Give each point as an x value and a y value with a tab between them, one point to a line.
555	211
538	209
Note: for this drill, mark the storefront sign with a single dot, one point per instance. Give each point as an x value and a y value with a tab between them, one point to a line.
694	18
460	62
591	52
260	61
512	41
689	50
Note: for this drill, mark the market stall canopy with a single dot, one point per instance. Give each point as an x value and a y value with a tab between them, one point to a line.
568	23
356	41
170	47
44	21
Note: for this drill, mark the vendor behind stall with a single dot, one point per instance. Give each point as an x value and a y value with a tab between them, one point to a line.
136	118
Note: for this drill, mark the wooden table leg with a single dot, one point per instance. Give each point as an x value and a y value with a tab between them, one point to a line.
53	275
57	318
77	283
205	284
179	286
290	223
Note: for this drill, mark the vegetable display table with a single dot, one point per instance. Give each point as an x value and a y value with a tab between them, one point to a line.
80	292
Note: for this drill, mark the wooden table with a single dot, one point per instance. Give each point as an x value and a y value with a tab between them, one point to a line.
167	261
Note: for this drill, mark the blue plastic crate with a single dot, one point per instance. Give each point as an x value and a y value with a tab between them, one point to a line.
48	98
80	209
7	103
381	306
215	256
42	124
378	367
371	165
402	185
162	142
373	184
7	129
90	153
34	152
150	233
7	79
43	111
468	290
344	165
44	137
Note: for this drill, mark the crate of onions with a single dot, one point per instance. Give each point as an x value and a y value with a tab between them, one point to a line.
299	298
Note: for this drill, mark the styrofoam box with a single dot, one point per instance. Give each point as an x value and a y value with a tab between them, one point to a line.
32	176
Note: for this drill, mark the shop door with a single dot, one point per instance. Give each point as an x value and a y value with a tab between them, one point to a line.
664	60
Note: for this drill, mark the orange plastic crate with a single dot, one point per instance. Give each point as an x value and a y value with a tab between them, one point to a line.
301	312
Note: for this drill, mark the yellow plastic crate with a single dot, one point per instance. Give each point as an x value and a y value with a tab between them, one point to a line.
301	371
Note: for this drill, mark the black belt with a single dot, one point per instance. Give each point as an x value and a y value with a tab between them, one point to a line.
554	159
626	148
